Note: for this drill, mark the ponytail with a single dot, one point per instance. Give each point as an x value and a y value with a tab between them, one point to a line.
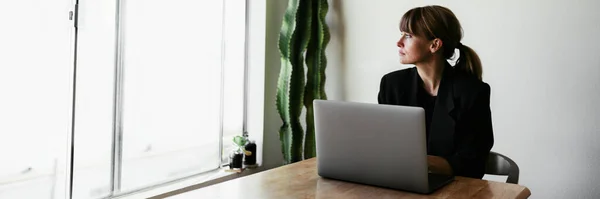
469	61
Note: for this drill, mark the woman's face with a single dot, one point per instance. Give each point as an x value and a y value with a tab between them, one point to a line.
413	49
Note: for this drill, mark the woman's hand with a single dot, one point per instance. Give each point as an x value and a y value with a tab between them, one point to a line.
438	165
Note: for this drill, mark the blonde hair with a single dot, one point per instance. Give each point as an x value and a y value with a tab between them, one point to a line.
440	22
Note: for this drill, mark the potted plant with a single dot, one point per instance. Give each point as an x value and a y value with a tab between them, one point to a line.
237	156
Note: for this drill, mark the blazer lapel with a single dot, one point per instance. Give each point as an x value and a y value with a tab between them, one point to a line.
441	135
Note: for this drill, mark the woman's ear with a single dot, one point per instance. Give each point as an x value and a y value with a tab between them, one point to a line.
436	45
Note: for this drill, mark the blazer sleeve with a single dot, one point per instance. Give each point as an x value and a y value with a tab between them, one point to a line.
382	97
474	137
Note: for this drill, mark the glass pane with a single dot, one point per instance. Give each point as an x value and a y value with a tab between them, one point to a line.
172	88
233	87
94	106
35	82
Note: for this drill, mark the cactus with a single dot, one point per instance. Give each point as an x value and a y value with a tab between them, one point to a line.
316	62
303	30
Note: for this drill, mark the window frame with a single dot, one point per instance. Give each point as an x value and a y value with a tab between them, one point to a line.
117	144
248	98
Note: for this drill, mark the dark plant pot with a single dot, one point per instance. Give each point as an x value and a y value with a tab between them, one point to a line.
251	158
236	160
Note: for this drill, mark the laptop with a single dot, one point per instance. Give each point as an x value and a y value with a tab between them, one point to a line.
374	144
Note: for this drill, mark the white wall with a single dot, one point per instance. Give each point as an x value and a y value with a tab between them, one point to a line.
541	60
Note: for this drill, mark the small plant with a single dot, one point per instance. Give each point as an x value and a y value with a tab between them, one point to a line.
237	155
241	142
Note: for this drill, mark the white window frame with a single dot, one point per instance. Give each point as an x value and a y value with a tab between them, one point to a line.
253	108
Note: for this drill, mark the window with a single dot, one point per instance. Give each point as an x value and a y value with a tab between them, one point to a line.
35	79
156	94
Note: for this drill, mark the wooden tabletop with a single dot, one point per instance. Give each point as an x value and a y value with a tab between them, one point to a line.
300	180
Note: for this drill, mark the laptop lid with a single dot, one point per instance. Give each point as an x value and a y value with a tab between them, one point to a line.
380	145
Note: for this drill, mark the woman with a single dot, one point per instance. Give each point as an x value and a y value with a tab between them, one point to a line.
455	99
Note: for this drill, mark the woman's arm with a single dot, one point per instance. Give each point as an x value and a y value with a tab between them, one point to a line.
474	138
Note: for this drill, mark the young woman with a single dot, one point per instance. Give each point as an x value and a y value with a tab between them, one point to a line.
455	99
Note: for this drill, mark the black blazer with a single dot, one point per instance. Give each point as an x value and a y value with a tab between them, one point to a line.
461	124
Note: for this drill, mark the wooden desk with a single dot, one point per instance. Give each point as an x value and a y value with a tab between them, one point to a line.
300	180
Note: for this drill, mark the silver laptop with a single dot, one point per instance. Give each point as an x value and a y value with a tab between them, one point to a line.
373	144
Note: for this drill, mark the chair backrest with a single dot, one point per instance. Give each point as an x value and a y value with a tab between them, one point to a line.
499	164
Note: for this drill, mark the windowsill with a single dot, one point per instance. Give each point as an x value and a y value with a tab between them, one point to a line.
191	183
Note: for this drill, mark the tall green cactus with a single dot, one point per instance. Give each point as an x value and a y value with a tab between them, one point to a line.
303	27
293	40
316	62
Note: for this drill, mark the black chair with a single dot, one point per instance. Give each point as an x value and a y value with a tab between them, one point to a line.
499	164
